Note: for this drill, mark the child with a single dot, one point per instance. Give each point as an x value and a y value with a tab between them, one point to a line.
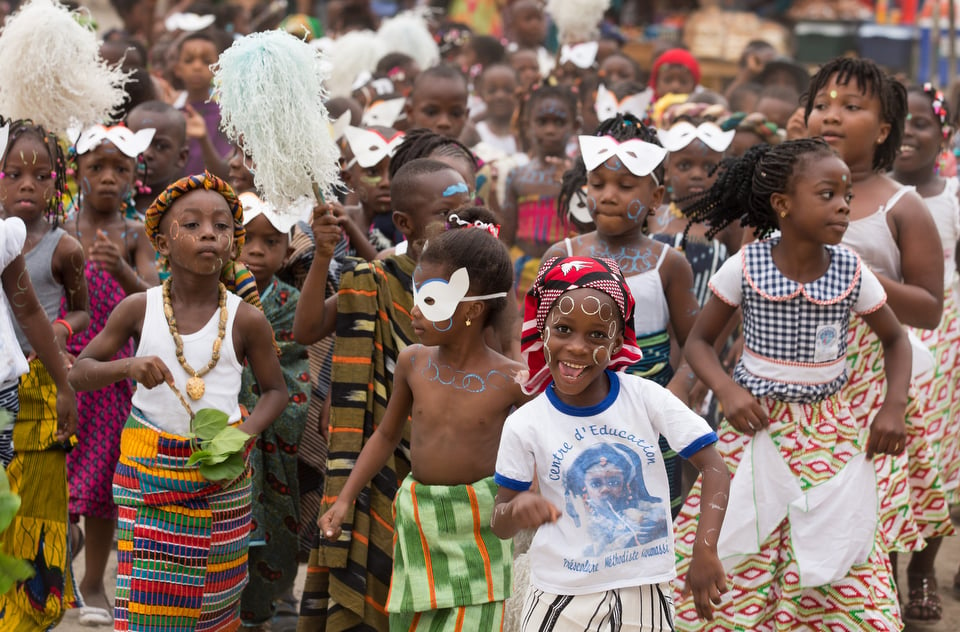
925	134
860	112
367	153
272	559
461	283
800	543
120	262
777	103
675	71
166	156
438	101
530	220
696	147
602	556
497	86
209	148
371	317
525	63
620	167
51	266
200	528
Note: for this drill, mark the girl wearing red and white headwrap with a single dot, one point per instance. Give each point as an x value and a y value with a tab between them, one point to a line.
604	540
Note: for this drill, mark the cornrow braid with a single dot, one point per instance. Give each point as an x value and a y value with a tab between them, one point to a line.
422	143
744	185
622	127
874	82
56	212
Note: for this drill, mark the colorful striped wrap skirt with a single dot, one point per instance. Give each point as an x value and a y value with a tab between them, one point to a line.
447	562
181	539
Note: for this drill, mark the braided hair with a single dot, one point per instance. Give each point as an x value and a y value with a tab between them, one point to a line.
938	104
422	143
622	127
744	186
56	213
874	82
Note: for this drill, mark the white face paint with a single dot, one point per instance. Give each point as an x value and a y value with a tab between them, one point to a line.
437	299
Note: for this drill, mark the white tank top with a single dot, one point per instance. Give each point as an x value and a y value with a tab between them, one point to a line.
651	314
870	237
945	210
159	404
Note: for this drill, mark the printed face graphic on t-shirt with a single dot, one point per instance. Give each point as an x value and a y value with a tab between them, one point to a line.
606	494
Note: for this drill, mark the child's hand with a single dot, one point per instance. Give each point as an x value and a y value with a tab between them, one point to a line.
196	126
742	410
326	230
707	581
888	433
530	510
66	413
106	254
330	522
149	371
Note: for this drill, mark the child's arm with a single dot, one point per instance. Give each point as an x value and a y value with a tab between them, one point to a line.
256	333
508	213
33	322
93	369
706	578
378	448
677	276
888	431
515	511
68	266
918	300
358	238
740	407
316	315
197	130
112	258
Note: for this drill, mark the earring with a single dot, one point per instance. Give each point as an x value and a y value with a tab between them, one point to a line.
783	213
467	323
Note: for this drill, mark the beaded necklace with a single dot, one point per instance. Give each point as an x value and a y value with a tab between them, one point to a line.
195	385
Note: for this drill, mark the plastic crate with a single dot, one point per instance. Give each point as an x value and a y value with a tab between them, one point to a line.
890	46
819	42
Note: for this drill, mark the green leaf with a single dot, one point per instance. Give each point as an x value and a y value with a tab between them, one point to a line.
208	422
228	441
206	456
9	504
12	571
226	471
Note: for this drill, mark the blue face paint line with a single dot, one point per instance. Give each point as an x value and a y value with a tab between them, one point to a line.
447	328
635	210
454	189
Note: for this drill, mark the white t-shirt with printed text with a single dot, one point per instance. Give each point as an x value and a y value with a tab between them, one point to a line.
601	466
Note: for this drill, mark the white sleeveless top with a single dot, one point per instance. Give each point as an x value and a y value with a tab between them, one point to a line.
652	315
870	237
159	404
945	210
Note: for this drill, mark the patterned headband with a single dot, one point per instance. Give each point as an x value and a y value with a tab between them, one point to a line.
939	104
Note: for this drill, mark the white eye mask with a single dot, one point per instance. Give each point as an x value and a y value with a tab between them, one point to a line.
579	210
684	133
437	299
607	105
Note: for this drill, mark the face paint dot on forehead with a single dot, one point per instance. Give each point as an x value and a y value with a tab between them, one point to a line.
833	94
454	189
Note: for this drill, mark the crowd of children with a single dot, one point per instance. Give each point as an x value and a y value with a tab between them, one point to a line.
699	346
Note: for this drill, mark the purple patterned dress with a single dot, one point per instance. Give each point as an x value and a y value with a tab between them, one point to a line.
91	464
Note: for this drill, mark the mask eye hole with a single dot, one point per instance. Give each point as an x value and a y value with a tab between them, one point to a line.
429	301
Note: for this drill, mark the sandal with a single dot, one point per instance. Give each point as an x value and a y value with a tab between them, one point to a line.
924	602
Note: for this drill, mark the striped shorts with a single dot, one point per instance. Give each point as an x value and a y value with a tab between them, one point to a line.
647	608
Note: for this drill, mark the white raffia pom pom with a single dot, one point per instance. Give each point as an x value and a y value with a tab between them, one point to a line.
51	70
270	87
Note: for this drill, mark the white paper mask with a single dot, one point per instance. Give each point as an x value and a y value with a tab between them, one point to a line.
129	143
369	147
607	105
684	133
340	125
437	299
188	22
578	208
4	138
638	156
383	113
580	55
253	206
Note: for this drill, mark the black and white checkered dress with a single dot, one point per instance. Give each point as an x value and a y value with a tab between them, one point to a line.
782	319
